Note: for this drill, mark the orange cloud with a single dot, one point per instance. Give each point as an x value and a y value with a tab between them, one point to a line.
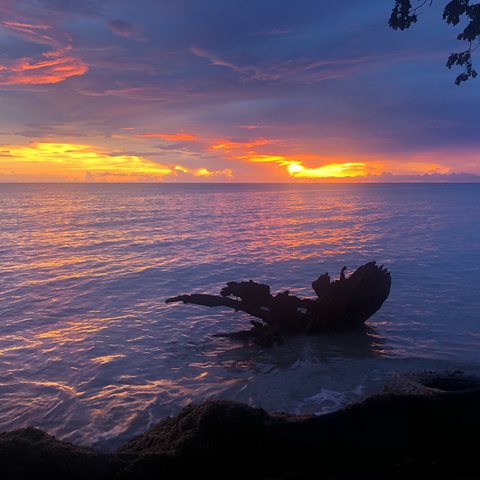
170	138
24	25
71	162
27	72
257	158
203	172
415	167
304	166
360	170
227	145
57	53
31	71
296	169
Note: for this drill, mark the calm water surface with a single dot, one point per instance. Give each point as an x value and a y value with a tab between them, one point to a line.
91	353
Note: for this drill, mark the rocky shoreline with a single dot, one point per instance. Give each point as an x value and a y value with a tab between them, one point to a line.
388	435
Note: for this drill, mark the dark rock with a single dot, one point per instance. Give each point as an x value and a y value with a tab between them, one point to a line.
385	436
432	383
31	453
376	437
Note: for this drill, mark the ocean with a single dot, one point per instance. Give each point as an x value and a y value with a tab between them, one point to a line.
91	353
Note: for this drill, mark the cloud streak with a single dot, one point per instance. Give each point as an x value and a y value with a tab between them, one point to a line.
126	29
35	33
170	137
27	71
302	70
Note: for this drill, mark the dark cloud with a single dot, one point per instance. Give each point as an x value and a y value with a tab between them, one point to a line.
89	177
127	29
53	131
426	177
131	153
174	146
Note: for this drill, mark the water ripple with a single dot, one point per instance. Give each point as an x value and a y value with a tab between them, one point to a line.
91	353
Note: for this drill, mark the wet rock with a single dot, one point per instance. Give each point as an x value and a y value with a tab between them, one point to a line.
432	383
376	437
385	436
30	453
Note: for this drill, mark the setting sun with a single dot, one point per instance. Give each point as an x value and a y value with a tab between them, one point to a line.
336	170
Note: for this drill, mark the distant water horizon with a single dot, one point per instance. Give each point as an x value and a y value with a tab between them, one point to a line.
434	178
92	354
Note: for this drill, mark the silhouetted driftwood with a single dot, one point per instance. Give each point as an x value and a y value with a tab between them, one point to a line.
340	305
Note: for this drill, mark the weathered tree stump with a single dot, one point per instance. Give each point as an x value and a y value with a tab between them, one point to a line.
340	305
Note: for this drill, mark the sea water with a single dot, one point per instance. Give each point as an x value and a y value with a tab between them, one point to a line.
91	353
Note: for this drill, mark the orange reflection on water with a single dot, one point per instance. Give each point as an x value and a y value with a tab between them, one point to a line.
74	331
19	343
106	358
56	385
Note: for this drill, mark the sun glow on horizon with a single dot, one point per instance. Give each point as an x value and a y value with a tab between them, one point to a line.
73	162
334	170
296	169
270	160
287	163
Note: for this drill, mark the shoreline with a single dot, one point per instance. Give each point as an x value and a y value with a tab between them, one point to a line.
386	435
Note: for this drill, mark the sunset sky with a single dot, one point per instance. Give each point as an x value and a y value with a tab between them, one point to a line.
231	91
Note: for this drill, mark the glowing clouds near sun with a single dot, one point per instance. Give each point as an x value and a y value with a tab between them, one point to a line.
281	159
336	170
73	162
292	163
56	161
172	137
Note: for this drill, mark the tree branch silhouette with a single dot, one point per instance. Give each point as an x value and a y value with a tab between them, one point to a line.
404	14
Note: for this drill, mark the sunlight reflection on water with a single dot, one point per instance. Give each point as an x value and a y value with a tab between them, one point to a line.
91	353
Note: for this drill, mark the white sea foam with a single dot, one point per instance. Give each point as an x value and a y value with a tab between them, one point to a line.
330	400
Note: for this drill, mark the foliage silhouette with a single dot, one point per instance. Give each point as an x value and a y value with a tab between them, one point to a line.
404	14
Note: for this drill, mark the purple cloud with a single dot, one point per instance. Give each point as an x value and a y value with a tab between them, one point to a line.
127	29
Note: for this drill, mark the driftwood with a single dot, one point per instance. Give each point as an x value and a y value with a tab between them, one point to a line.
341	305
